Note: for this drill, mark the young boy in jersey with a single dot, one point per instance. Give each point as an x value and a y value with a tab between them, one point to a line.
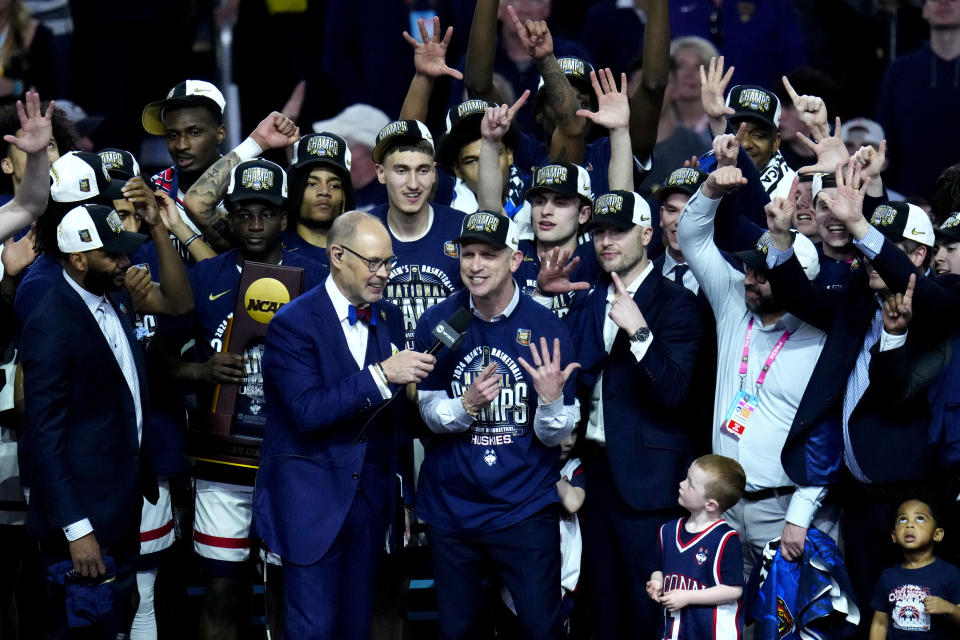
916	598
700	580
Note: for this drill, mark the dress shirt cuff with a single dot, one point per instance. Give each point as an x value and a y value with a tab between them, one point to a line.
776	257
384	389
804	505
889	342
871	243
78	529
542	300
555	421
443	414
639	349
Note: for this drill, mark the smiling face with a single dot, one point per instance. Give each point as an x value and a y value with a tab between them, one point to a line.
804	217
914	527
622	251
669	218
946	257
760	142
352	273
832	232
557	217
486	271
409	177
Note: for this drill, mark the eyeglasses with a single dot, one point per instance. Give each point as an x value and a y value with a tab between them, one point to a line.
374	264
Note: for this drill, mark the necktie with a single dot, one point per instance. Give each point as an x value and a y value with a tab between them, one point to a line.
364	315
678	272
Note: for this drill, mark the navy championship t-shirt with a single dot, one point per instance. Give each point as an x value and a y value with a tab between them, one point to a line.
587	270
498	472
900	594
427	269
294	243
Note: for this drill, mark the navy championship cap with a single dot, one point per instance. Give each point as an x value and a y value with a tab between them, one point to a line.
901	220
120	164
94	226
400	132
462	127
322	148
950	229
619	209
750	102
257	179
489	228
562	177
186	92
683	180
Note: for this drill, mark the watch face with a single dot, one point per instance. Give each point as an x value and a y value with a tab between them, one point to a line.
642	334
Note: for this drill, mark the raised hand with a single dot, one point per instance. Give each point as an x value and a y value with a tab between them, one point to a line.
830	149
898	309
871	160
713	89
613	105
723	180
548	377
20	254
555	270
726	147
167	210
496	121
430	54
482	391
811	110
624	310
276	131
780	214
847	204
534	35
692	163
36	127
143	199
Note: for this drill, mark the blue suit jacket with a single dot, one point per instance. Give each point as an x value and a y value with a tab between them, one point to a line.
79	452
317	401
646	434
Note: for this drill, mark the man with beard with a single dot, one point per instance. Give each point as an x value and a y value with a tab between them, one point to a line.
255	198
320	190
85	395
759	345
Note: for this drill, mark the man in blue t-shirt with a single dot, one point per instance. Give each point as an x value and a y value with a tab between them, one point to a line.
422	232
254	199
488	484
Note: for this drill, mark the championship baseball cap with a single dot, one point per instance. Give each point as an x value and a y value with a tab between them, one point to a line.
397	133
803	248
185	93
79	176
683	180
257	179
899	220
322	148
870	131
950	229
750	102
577	71
120	164
489	228
564	178
94	226
621	210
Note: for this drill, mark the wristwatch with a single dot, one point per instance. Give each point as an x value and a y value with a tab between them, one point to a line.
641	335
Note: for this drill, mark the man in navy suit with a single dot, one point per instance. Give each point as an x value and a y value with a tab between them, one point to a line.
327	472
86	394
638	336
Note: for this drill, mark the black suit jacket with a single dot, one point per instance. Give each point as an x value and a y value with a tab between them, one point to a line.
79	452
646	434
887	433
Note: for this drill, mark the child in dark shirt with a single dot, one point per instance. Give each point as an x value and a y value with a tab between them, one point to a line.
917	596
